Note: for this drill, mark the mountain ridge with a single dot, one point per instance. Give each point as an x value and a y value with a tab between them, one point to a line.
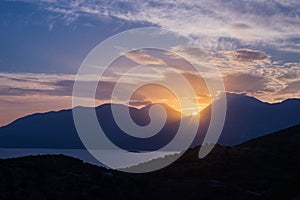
247	118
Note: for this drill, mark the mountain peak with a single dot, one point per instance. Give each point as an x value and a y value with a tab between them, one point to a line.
246	118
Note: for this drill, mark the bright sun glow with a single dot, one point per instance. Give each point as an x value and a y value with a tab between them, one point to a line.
194	113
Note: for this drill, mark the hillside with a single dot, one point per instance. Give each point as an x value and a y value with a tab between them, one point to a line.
241	172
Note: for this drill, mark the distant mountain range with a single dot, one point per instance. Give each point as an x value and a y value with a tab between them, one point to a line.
247	118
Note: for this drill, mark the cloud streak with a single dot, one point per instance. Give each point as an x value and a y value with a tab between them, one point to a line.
208	21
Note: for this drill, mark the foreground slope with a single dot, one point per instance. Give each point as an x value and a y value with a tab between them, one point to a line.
247	171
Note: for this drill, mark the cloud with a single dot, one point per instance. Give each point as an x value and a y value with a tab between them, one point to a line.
142	58
240	26
250	55
26	84
22	94
32	81
254	44
293	87
227	61
207	21
139	103
245	83
269	20
243	70
249	71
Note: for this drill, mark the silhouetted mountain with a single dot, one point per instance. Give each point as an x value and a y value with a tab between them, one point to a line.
247	118
57	130
47	130
141	117
253	170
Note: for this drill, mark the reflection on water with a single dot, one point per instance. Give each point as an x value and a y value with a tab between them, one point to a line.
81	154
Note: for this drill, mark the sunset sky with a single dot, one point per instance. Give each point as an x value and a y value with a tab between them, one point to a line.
255	44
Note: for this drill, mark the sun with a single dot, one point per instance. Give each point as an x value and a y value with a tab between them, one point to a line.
195	113
191	111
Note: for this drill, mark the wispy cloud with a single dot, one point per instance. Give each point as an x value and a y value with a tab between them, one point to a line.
252	72
142	58
208	21
25	93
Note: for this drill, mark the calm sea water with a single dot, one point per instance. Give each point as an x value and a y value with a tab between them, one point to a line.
81	154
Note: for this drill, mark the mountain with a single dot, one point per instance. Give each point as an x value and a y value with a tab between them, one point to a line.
57	130
247	118
253	170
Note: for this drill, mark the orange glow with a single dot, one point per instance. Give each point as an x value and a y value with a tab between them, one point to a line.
154	93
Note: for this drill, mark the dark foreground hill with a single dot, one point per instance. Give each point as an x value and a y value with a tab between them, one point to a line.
264	168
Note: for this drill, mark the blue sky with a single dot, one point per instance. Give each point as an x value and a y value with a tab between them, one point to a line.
254	43
37	40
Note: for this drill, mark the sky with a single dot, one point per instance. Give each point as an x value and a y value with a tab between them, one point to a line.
254	43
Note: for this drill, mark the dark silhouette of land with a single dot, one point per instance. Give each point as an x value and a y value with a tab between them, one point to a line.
247	118
263	168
